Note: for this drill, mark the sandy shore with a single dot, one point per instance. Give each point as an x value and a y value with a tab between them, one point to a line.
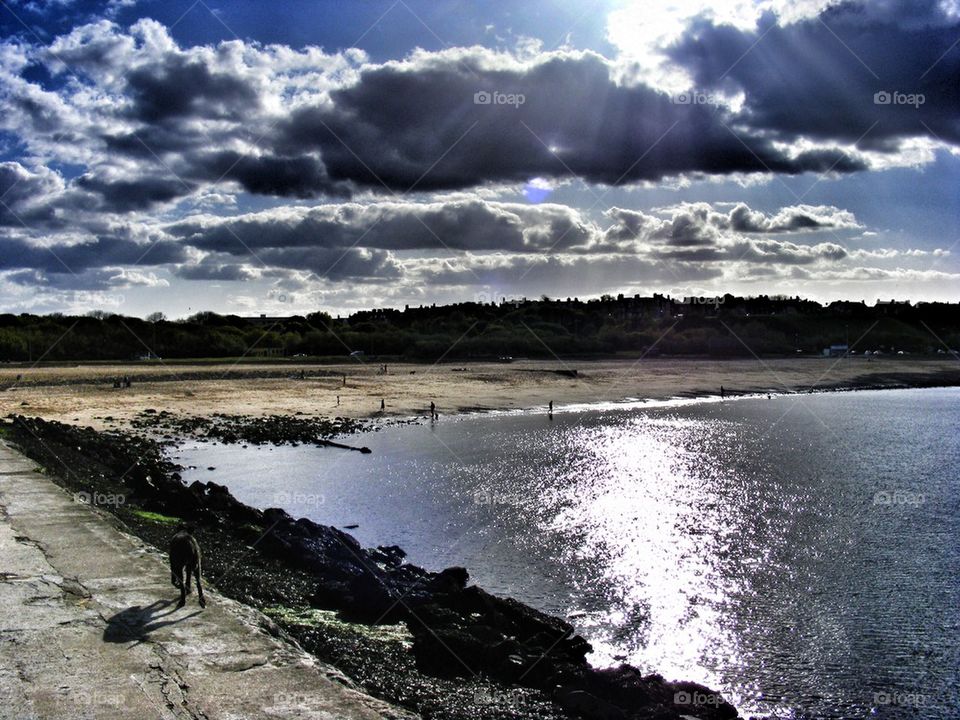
85	394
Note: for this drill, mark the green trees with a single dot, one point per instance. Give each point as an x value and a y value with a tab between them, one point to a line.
735	327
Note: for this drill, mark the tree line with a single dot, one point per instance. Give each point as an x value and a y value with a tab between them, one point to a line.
725	326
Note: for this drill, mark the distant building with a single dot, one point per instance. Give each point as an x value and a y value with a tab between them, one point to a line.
268	320
836	351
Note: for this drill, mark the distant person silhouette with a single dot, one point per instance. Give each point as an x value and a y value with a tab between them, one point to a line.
383	405
722	393
433	410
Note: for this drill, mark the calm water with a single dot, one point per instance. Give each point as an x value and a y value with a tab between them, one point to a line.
802	555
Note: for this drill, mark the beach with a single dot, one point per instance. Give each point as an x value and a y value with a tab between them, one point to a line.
84	394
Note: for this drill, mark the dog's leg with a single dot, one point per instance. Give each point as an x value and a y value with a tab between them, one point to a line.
183	594
196	571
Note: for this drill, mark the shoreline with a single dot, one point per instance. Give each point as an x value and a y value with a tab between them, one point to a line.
677	400
84	395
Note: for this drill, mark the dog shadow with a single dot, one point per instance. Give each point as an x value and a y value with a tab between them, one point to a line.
138	621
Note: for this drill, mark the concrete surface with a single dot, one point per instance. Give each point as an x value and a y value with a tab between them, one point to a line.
89	628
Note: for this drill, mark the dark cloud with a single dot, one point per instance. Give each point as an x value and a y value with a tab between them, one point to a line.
22	195
183	87
792	219
303	177
401	127
92	279
139	194
150	141
214	271
469	225
56	258
335	264
818	77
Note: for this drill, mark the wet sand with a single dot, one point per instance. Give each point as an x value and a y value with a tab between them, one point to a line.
84	394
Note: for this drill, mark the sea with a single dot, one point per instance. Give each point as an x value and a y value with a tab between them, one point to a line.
799	553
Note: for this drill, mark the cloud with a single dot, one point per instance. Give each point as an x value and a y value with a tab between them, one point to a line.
22	192
741	218
459	225
71	259
376	174
818	77
89	279
181	87
215	271
141	113
418	124
303	177
141	193
475	241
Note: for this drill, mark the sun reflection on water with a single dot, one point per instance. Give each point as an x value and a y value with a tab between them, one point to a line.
652	506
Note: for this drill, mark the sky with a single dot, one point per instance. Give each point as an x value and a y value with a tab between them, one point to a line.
284	157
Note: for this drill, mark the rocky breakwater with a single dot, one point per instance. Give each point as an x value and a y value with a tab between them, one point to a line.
230	429
268	557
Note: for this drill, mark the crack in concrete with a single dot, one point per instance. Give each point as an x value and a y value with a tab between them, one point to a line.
175	692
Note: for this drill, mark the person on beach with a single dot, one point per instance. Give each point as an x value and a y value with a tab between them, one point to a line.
383	405
722	393
338	401
551	407
433	410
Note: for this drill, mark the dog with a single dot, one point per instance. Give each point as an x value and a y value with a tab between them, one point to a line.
184	562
